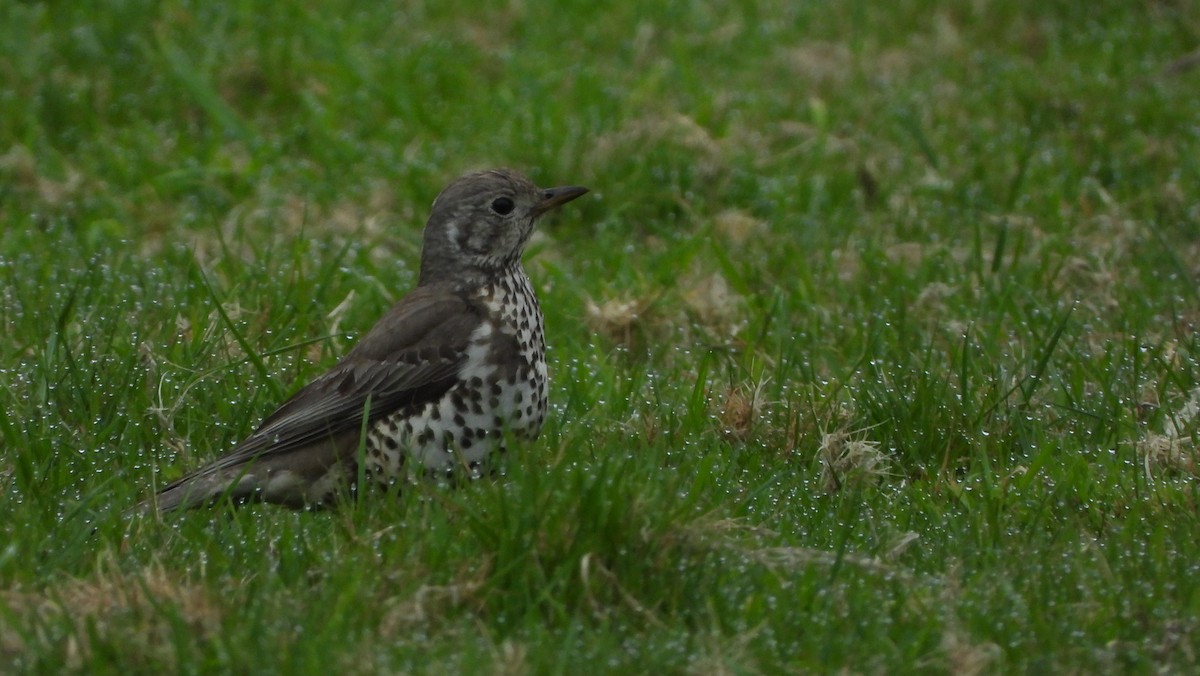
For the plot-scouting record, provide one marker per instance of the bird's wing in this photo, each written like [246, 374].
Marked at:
[410, 356]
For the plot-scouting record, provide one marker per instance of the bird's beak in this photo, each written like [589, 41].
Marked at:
[553, 197]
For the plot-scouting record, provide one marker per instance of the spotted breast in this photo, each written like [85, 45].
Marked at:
[501, 390]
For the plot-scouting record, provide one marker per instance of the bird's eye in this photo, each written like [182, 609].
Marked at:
[502, 206]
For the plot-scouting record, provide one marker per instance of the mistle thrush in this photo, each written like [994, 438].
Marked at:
[438, 384]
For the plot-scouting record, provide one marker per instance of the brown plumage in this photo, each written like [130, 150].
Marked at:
[442, 378]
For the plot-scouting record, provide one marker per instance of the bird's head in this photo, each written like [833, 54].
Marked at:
[481, 222]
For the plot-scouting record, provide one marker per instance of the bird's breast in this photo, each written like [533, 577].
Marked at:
[501, 389]
[516, 317]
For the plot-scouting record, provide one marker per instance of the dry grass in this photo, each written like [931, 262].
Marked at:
[741, 407]
[672, 130]
[428, 605]
[139, 611]
[850, 459]
[620, 320]
[959, 652]
[714, 304]
[738, 227]
[1174, 449]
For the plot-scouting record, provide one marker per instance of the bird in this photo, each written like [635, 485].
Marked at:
[434, 388]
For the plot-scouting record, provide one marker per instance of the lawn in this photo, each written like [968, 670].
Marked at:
[874, 347]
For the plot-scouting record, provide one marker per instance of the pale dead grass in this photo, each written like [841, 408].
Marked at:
[335, 316]
[738, 227]
[1161, 454]
[725, 655]
[620, 319]
[428, 605]
[932, 299]
[675, 130]
[965, 656]
[740, 409]
[820, 62]
[796, 558]
[1173, 450]
[826, 64]
[1083, 262]
[140, 611]
[851, 459]
[510, 658]
[714, 303]
[960, 653]
[593, 575]
[19, 169]
[745, 540]
[701, 307]
[278, 220]
[163, 374]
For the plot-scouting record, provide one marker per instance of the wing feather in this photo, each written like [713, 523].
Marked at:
[412, 355]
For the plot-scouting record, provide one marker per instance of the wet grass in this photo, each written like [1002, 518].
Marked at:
[874, 348]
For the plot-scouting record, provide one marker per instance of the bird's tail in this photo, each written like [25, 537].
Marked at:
[201, 489]
[302, 477]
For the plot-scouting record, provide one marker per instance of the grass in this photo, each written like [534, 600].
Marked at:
[874, 348]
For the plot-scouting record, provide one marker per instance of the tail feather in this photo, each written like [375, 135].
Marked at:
[205, 490]
[305, 477]
[202, 489]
